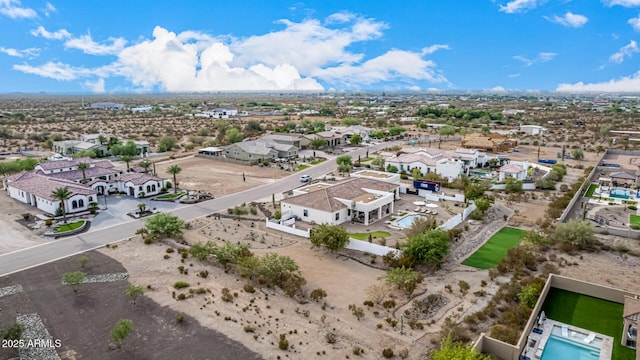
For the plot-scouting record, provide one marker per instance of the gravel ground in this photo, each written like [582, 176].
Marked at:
[34, 330]
[10, 290]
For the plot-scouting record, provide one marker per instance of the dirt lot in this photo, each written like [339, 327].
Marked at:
[218, 177]
[83, 322]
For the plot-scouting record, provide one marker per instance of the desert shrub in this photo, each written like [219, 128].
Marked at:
[387, 353]
[283, 343]
[331, 338]
[249, 288]
[180, 317]
[226, 295]
[180, 285]
[404, 353]
[249, 329]
[170, 250]
[389, 304]
[357, 350]
[182, 296]
[318, 294]
[203, 274]
[464, 287]
[148, 241]
[632, 207]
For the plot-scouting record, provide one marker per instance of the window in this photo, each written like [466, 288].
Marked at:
[305, 212]
[337, 216]
[80, 203]
[90, 198]
[139, 188]
[74, 204]
[348, 212]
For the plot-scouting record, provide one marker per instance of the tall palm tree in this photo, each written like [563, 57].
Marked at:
[174, 170]
[83, 166]
[146, 164]
[63, 194]
[127, 159]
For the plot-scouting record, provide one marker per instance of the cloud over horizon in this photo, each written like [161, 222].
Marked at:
[196, 61]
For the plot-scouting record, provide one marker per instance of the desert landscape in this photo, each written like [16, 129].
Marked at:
[345, 308]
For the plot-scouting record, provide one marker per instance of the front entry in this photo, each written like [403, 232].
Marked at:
[131, 191]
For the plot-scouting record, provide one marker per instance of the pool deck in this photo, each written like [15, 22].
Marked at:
[536, 342]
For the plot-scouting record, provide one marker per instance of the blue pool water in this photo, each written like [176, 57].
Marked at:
[406, 221]
[620, 193]
[559, 348]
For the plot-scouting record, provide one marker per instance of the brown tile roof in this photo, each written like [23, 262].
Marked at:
[42, 186]
[511, 169]
[138, 178]
[59, 164]
[326, 199]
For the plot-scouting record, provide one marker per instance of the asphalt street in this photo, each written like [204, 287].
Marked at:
[61, 248]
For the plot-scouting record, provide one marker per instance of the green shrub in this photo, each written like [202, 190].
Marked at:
[387, 353]
[182, 297]
[632, 207]
[283, 344]
[249, 288]
[148, 241]
[180, 285]
[180, 317]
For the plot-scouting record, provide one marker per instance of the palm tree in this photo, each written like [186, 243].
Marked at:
[102, 139]
[174, 170]
[146, 164]
[127, 159]
[63, 194]
[83, 166]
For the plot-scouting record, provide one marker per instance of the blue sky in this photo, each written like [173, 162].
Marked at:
[63, 46]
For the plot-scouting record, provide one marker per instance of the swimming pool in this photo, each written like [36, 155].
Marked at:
[561, 348]
[620, 193]
[406, 221]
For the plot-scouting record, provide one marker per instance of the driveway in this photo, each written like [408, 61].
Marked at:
[114, 210]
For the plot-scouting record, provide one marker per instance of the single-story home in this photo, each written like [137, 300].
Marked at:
[357, 200]
[533, 129]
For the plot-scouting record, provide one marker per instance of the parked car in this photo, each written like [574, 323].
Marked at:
[305, 178]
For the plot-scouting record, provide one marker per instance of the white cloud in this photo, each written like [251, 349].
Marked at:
[415, 88]
[88, 46]
[12, 9]
[295, 57]
[95, 86]
[498, 89]
[545, 56]
[624, 3]
[340, 17]
[518, 6]
[55, 35]
[635, 23]
[569, 20]
[542, 57]
[30, 52]
[514, 75]
[625, 51]
[393, 65]
[57, 71]
[49, 8]
[624, 84]
[433, 48]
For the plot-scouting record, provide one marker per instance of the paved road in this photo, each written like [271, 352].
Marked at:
[58, 249]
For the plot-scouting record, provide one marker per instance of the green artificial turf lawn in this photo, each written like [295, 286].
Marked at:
[70, 226]
[601, 316]
[591, 190]
[365, 236]
[494, 250]
[634, 219]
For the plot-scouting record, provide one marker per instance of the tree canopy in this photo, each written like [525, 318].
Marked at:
[429, 247]
[331, 237]
[574, 233]
[164, 225]
[453, 350]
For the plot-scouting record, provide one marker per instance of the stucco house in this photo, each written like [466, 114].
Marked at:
[298, 141]
[357, 200]
[333, 138]
[250, 152]
[101, 177]
[513, 170]
[533, 129]
[91, 142]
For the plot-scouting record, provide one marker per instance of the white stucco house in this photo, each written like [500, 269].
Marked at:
[101, 177]
[449, 164]
[516, 170]
[357, 200]
[533, 129]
